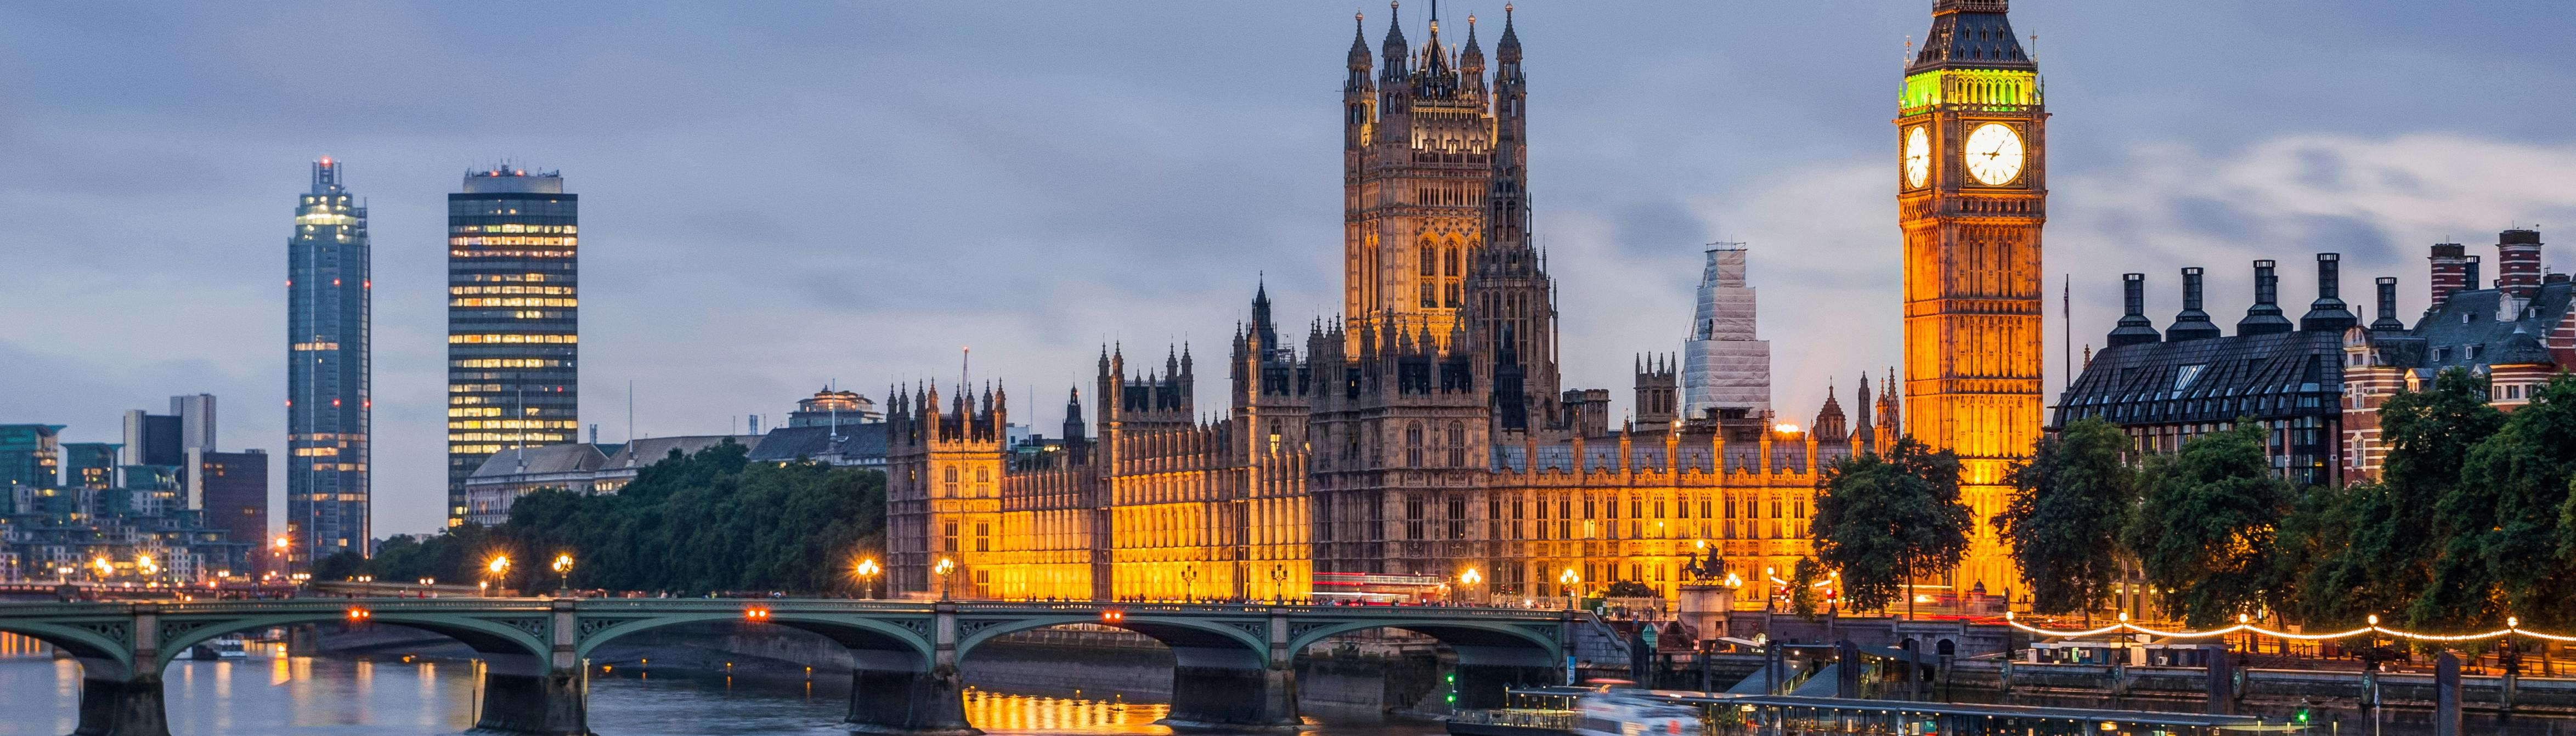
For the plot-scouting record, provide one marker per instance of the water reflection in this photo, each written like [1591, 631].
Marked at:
[309, 696]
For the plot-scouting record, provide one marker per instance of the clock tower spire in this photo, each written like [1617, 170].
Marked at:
[1972, 194]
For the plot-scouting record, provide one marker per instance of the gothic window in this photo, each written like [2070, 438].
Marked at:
[983, 537]
[983, 475]
[1457, 444]
[1413, 445]
[1429, 265]
[1449, 259]
[948, 540]
[1413, 516]
[1274, 436]
[1430, 296]
[1457, 517]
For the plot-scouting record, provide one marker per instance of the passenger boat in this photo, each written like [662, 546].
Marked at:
[222, 647]
[1604, 712]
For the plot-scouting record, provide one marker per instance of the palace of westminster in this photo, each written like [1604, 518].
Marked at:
[1426, 431]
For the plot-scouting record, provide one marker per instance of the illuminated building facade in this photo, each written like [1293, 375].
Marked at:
[1972, 193]
[1423, 433]
[328, 405]
[513, 328]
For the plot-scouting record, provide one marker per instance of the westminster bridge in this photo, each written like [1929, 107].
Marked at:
[1234, 664]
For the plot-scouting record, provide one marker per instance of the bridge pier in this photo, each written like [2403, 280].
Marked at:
[121, 706]
[1232, 697]
[525, 697]
[891, 693]
[528, 695]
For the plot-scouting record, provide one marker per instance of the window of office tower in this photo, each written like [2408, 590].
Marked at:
[513, 328]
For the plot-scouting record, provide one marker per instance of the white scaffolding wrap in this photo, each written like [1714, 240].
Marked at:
[1723, 366]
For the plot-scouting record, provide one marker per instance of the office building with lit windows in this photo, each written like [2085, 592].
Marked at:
[327, 372]
[513, 333]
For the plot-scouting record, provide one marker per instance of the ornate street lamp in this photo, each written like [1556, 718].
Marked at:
[1569, 580]
[563, 572]
[945, 566]
[867, 570]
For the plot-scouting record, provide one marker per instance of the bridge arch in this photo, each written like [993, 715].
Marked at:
[1493, 656]
[95, 645]
[494, 638]
[1481, 640]
[1193, 642]
[877, 644]
[1223, 673]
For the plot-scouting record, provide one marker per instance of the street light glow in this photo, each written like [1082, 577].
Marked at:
[563, 562]
[499, 564]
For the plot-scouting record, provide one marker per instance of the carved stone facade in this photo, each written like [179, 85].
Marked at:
[1972, 194]
[1424, 432]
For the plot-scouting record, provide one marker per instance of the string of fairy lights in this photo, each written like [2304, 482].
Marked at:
[2512, 627]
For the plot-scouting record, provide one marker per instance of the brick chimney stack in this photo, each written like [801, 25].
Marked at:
[2518, 263]
[2450, 272]
[2387, 307]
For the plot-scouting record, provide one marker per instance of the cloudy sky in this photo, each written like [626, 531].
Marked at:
[778, 195]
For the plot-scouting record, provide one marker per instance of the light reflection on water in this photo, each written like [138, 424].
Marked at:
[308, 696]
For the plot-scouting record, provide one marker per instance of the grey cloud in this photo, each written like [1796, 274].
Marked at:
[779, 194]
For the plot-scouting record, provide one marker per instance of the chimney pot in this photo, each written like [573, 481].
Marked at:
[2191, 323]
[2264, 318]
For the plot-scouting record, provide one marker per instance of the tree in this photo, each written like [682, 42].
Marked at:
[1883, 519]
[338, 566]
[708, 521]
[2064, 519]
[2204, 530]
[1802, 587]
[2504, 553]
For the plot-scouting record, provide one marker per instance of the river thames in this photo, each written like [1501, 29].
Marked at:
[330, 696]
[333, 696]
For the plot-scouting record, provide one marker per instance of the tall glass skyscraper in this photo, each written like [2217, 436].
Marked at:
[327, 318]
[513, 332]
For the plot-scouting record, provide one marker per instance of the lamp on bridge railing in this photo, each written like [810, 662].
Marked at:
[1569, 580]
[493, 569]
[1278, 577]
[867, 571]
[945, 566]
[1467, 583]
[563, 573]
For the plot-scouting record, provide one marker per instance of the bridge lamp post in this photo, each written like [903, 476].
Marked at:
[277, 549]
[1467, 583]
[563, 574]
[1278, 578]
[867, 572]
[1189, 583]
[1569, 580]
[946, 565]
[493, 570]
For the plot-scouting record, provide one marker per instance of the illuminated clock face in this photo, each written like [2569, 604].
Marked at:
[1918, 156]
[1994, 154]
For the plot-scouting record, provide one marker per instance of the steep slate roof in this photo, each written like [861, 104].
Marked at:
[2210, 380]
[1977, 36]
[786, 444]
[562, 458]
[650, 450]
[2465, 331]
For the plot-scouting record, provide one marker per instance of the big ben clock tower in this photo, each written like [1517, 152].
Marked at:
[1972, 192]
